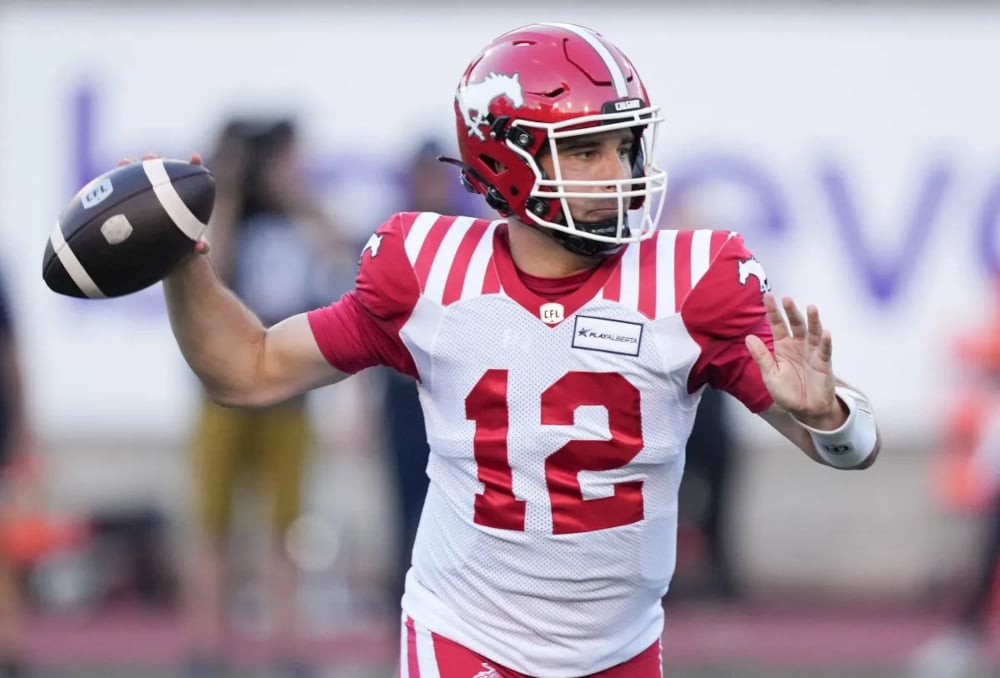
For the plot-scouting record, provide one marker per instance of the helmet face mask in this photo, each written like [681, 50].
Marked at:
[630, 193]
[547, 83]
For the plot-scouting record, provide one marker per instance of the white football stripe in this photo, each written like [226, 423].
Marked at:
[175, 208]
[617, 77]
[73, 266]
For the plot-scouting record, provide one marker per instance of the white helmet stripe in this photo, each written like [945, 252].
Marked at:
[617, 77]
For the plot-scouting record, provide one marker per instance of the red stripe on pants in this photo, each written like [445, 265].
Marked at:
[411, 649]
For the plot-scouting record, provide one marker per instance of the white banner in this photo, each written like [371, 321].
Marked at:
[857, 150]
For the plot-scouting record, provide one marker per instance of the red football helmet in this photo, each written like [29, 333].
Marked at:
[538, 84]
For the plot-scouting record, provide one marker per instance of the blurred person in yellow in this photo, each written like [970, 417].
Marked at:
[272, 244]
[967, 477]
[708, 570]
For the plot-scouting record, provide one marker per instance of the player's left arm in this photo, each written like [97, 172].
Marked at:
[826, 418]
[781, 371]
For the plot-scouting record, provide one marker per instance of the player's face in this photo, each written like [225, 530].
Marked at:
[605, 156]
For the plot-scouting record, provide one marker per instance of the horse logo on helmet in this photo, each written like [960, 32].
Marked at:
[475, 98]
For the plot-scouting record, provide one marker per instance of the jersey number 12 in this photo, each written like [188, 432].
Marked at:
[497, 506]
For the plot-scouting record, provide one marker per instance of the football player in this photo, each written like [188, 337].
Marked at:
[561, 351]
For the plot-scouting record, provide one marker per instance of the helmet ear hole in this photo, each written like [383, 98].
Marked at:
[495, 200]
[494, 166]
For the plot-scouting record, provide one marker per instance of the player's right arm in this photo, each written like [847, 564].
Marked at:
[237, 359]
[241, 363]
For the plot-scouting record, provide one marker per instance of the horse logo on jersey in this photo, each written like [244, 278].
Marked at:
[372, 245]
[477, 96]
[752, 267]
[487, 672]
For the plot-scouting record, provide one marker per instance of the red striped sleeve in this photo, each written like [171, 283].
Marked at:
[362, 328]
[719, 313]
[429, 249]
[460, 266]
[352, 339]
[719, 238]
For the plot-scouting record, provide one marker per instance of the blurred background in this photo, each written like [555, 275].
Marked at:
[855, 145]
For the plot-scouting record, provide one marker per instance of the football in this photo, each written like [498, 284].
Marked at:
[127, 229]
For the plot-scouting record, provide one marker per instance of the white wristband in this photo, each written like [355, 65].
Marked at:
[853, 441]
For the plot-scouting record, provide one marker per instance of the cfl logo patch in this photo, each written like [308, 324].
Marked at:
[97, 194]
[551, 313]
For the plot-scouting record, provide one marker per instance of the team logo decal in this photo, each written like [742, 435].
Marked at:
[475, 98]
[752, 267]
[487, 672]
[372, 245]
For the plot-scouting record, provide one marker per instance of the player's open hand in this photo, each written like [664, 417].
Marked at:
[799, 375]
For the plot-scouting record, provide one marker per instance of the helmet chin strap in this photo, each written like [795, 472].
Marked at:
[585, 246]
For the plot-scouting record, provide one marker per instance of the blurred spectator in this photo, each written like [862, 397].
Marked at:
[271, 244]
[430, 186]
[704, 503]
[969, 478]
[15, 448]
[705, 500]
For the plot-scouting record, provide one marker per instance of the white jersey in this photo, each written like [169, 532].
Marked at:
[557, 427]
